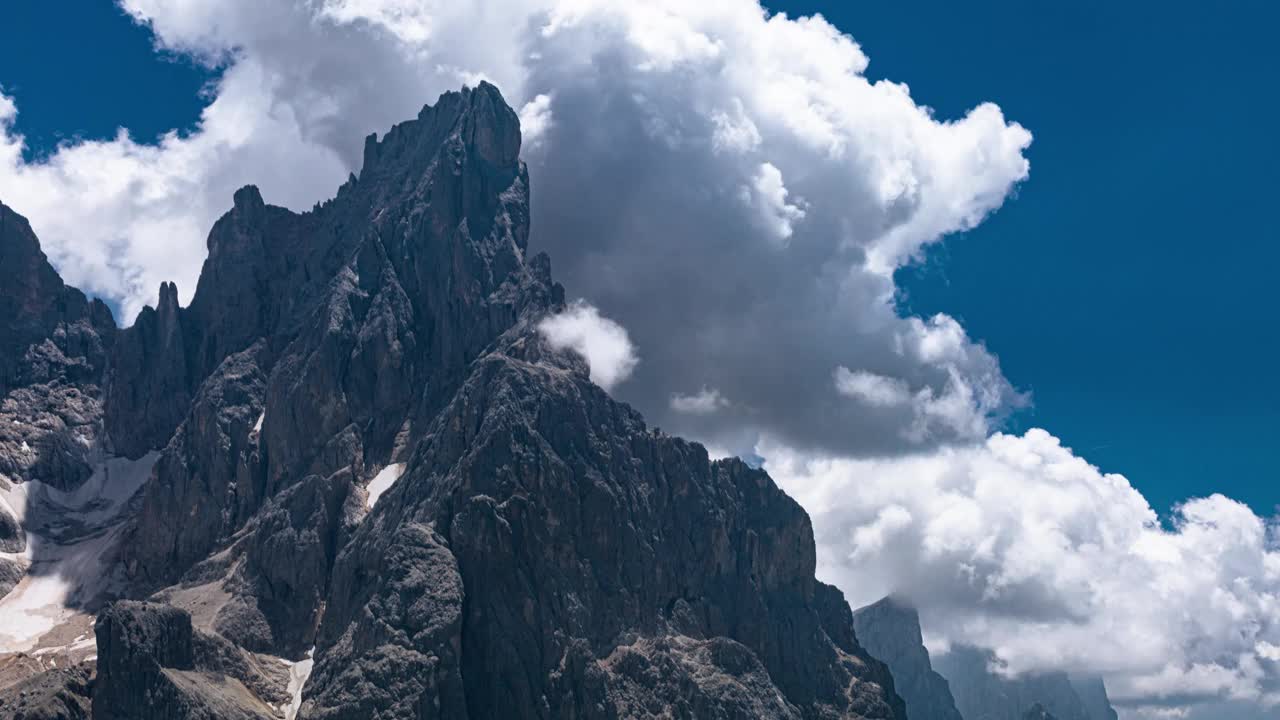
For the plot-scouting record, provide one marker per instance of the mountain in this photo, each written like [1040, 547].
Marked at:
[351, 480]
[960, 684]
[982, 694]
[890, 630]
[53, 355]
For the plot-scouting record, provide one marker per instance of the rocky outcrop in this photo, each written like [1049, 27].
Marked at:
[148, 670]
[56, 694]
[150, 391]
[54, 345]
[890, 631]
[575, 556]
[982, 694]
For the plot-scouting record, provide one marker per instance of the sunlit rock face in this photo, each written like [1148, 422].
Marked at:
[362, 453]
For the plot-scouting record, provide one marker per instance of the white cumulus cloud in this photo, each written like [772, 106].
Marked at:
[770, 198]
[1021, 546]
[600, 341]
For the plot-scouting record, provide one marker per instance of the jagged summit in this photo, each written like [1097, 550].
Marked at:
[54, 344]
[535, 550]
[247, 202]
[35, 301]
[491, 128]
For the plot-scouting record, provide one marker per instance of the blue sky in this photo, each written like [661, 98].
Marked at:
[97, 73]
[1128, 285]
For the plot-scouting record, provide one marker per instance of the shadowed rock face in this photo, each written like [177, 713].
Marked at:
[58, 694]
[53, 356]
[890, 631]
[544, 554]
[579, 564]
[153, 666]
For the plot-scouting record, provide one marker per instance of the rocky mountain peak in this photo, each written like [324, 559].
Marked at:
[367, 457]
[247, 204]
[478, 117]
[54, 344]
[35, 302]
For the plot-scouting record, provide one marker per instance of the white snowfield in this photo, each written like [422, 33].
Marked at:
[382, 482]
[68, 534]
[298, 674]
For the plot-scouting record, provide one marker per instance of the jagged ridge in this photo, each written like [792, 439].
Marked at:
[544, 554]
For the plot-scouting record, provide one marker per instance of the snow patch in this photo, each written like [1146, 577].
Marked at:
[257, 427]
[84, 643]
[40, 602]
[13, 499]
[298, 674]
[383, 481]
[68, 535]
[100, 498]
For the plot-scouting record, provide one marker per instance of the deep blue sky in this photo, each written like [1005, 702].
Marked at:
[83, 73]
[1129, 284]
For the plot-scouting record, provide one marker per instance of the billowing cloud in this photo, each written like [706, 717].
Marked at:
[728, 186]
[723, 182]
[767, 196]
[600, 341]
[731, 188]
[1021, 546]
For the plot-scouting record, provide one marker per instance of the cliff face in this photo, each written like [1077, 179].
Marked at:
[53, 361]
[890, 631]
[53, 356]
[539, 552]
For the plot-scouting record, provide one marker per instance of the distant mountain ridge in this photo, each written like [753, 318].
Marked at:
[959, 684]
[984, 695]
[890, 630]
